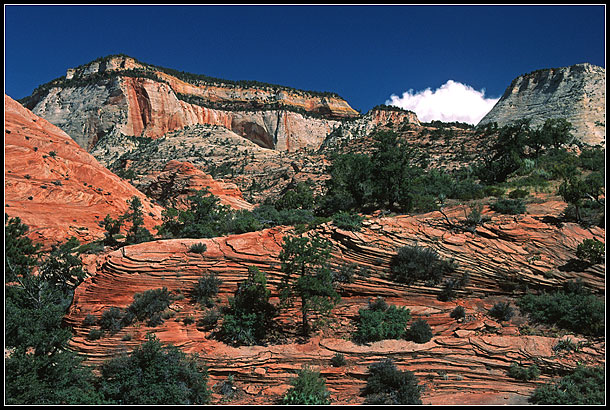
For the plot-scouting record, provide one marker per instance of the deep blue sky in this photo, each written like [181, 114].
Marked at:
[363, 53]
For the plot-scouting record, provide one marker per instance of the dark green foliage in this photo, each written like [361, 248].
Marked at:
[592, 159]
[19, 251]
[90, 320]
[307, 388]
[63, 268]
[148, 303]
[573, 308]
[386, 384]
[137, 233]
[198, 248]
[591, 250]
[113, 228]
[348, 221]
[345, 273]
[502, 311]
[450, 287]
[111, 320]
[380, 321]
[458, 313]
[581, 193]
[566, 344]
[585, 386]
[188, 320]
[298, 197]
[523, 373]
[154, 374]
[206, 289]
[338, 360]
[509, 206]
[415, 263]
[250, 314]
[95, 334]
[307, 276]
[419, 331]
[518, 194]
[209, 319]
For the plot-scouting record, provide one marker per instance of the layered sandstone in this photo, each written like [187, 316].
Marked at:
[576, 93]
[466, 362]
[57, 188]
[120, 94]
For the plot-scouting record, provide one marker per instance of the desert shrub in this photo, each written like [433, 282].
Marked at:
[156, 319]
[151, 302]
[509, 206]
[307, 388]
[518, 193]
[188, 320]
[206, 289]
[586, 385]
[572, 308]
[591, 250]
[198, 248]
[209, 319]
[111, 319]
[458, 313]
[386, 384]
[414, 263]
[90, 320]
[593, 159]
[419, 331]
[523, 373]
[338, 360]
[298, 197]
[154, 374]
[380, 321]
[95, 334]
[566, 344]
[502, 311]
[345, 273]
[492, 190]
[450, 286]
[348, 221]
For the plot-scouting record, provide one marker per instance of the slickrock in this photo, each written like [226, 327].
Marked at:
[57, 188]
[576, 93]
[119, 94]
[178, 180]
[466, 360]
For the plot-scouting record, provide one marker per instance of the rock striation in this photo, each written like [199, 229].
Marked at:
[57, 188]
[576, 93]
[466, 361]
[118, 94]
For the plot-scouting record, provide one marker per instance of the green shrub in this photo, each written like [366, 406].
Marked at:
[591, 250]
[206, 289]
[209, 319]
[380, 321]
[127, 337]
[345, 273]
[198, 248]
[188, 320]
[509, 206]
[146, 304]
[307, 388]
[523, 373]
[90, 320]
[573, 308]
[419, 331]
[348, 221]
[414, 263]
[338, 360]
[492, 190]
[111, 319]
[518, 193]
[388, 385]
[586, 385]
[95, 334]
[458, 313]
[566, 344]
[502, 311]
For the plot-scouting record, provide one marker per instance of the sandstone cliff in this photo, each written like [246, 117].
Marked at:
[57, 188]
[120, 94]
[576, 93]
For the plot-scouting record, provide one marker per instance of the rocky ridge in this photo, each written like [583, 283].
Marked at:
[57, 188]
[576, 93]
[466, 360]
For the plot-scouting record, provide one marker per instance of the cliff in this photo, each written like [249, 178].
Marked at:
[576, 93]
[57, 188]
[121, 94]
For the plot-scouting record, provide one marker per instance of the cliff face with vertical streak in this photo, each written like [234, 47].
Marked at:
[118, 94]
[576, 93]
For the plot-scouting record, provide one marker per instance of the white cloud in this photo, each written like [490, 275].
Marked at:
[452, 101]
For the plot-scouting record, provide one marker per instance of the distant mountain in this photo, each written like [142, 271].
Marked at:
[121, 95]
[576, 93]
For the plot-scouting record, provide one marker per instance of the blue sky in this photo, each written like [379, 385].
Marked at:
[363, 53]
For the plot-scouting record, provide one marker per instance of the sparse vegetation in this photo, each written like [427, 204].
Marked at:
[386, 384]
[585, 386]
[307, 388]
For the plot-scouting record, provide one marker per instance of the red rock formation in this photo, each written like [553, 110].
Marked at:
[57, 188]
[178, 180]
[466, 362]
